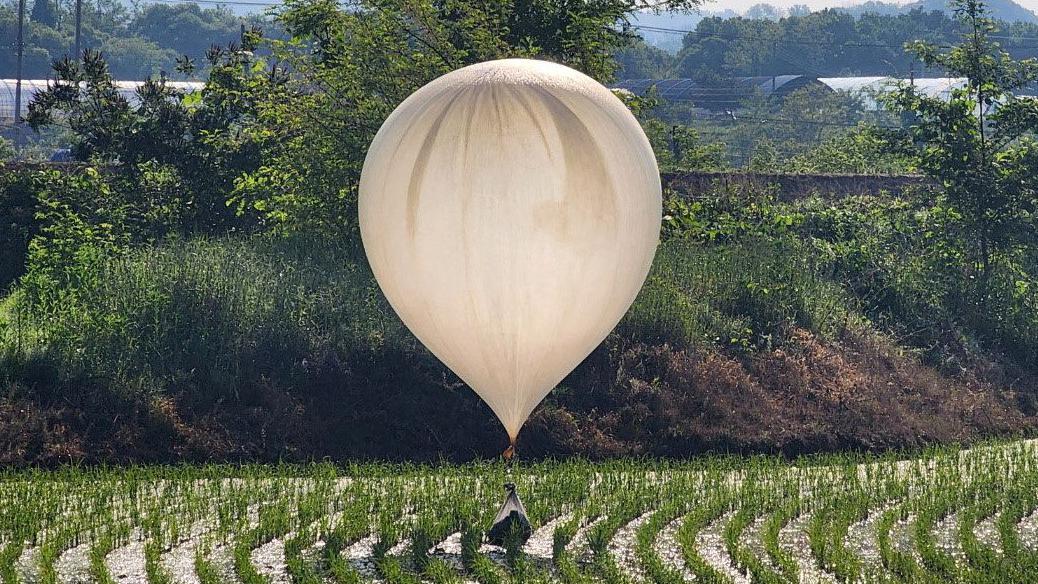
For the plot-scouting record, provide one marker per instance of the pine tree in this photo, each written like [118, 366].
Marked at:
[45, 13]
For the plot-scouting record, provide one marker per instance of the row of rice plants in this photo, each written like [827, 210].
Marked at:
[408, 511]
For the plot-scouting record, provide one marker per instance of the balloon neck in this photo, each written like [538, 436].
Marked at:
[509, 452]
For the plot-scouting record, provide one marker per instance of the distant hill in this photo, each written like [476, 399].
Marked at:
[1006, 10]
[670, 41]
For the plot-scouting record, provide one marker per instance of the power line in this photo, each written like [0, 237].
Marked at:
[804, 122]
[744, 36]
[217, 2]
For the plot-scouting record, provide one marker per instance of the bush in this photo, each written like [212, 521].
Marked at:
[220, 314]
[211, 314]
[744, 295]
[902, 264]
[17, 224]
[737, 270]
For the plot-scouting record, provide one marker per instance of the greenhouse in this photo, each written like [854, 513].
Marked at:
[128, 89]
[733, 94]
[869, 88]
[723, 96]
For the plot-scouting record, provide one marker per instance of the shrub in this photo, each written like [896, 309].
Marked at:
[17, 224]
[212, 314]
[742, 295]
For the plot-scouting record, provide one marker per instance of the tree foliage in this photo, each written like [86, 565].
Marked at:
[830, 42]
[194, 142]
[44, 12]
[353, 66]
[980, 145]
[278, 137]
[137, 42]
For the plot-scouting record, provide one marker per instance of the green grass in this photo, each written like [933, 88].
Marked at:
[222, 315]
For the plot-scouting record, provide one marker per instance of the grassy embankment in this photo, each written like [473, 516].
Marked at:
[763, 327]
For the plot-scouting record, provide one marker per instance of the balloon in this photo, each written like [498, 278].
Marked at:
[510, 211]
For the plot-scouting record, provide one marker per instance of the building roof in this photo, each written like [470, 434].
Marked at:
[719, 97]
[868, 88]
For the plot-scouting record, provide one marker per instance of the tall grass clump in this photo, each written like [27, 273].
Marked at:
[740, 295]
[211, 313]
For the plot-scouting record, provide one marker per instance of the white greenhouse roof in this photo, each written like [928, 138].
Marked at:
[869, 87]
[128, 89]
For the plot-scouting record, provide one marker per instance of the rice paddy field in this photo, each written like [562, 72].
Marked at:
[944, 515]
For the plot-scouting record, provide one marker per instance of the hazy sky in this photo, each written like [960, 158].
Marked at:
[741, 5]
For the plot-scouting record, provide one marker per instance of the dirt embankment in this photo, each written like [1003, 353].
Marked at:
[626, 399]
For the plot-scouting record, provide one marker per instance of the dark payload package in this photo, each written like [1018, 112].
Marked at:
[510, 520]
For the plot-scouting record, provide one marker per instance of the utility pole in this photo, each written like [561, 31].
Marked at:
[79, 26]
[18, 83]
[246, 67]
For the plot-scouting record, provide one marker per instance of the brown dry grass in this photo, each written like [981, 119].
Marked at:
[859, 392]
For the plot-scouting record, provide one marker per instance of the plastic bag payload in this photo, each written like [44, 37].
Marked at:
[510, 521]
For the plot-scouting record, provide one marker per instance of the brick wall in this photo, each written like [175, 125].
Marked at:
[795, 186]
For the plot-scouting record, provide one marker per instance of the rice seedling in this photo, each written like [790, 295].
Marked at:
[408, 523]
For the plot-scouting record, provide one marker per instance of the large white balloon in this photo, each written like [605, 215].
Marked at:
[510, 211]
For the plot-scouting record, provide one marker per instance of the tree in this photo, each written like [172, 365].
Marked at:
[136, 43]
[639, 60]
[192, 141]
[764, 130]
[188, 29]
[44, 12]
[763, 11]
[260, 147]
[864, 149]
[828, 42]
[979, 145]
[799, 10]
[352, 66]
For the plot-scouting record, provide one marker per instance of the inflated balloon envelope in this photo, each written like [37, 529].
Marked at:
[510, 211]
